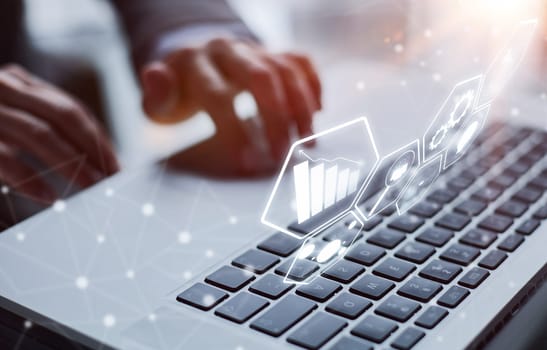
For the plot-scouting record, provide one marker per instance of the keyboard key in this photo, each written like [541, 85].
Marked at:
[473, 277]
[408, 338]
[441, 271]
[346, 237]
[365, 254]
[487, 194]
[478, 238]
[527, 195]
[394, 269]
[406, 223]
[420, 289]
[415, 252]
[256, 261]
[320, 289]
[347, 343]
[493, 259]
[496, 223]
[280, 244]
[372, 287]
[459, 183]
[528, 227]
[202, 296]
[541, 213]
[453, 297]
[271, 286]
[316, 331]
[470, 207]
[283, 315]
[241, 307]
[512, 209]
[229, 278]
[398, 308]
[518, 168]
[453, 221]
[374, 328]
[301, 269]
[502, 181]
[425, 209]
[539, 182]
[431, 317]
[435, 236]
[372, 223]
[460, 254]
[386, 238]
[512, 242]
[344, 271]
[348, 305]
[443, 196]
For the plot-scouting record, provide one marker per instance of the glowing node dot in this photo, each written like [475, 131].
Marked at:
[209, 253]
[152, 317]
[239, 347]
[515, 111]
[233, 220]
[439, 52]
[101, 238]
[422, 64]
[403, 82]
[109, 192]
[185, 237]
[440, 338]
[27, 324]
[208, 299]
[130, 274]
[148, 209]
[543, 96]
[476, 59]
[511, 284]
[82, 282]
[20, 236]
[109, 320]
[428, 33]
[463, 315]
[436, 77]
[398, 48]
[360, 85]
[4, 189]
[187, 275]
[59, 206]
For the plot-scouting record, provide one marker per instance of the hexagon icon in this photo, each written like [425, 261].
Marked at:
[420, 184]
[454, 111]
[394, 171]
[317, 185]
[463, 139]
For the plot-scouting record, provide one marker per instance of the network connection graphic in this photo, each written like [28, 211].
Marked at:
[336, 194]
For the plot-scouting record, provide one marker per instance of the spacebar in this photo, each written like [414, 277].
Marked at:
[283, 315]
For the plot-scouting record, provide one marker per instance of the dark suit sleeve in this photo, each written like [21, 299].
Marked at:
[146, 21]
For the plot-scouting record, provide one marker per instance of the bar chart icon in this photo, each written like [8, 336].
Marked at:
[319, 185]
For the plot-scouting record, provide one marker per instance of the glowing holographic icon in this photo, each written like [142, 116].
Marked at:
[324, 253]
[395, 170]
[322, 182]
[419, 185]
[453, 113]
[464, 138]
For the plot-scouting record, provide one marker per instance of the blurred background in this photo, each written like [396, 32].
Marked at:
[370, 53]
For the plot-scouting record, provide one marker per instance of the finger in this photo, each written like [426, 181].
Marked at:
[311, 73]
[160, 91]
[22, 178]
[299, 94]
[39, 139]
[63, 113]
[244, 68]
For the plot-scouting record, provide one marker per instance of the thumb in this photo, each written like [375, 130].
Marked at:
[159, 91]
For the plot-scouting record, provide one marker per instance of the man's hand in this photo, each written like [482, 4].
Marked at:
[285, 87]
[41, 120]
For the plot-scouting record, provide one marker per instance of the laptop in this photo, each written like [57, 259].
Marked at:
[153, 260]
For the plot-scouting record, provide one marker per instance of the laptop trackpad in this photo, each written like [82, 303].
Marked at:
[173, 328]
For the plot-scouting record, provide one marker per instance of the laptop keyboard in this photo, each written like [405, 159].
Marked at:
[441, 250]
